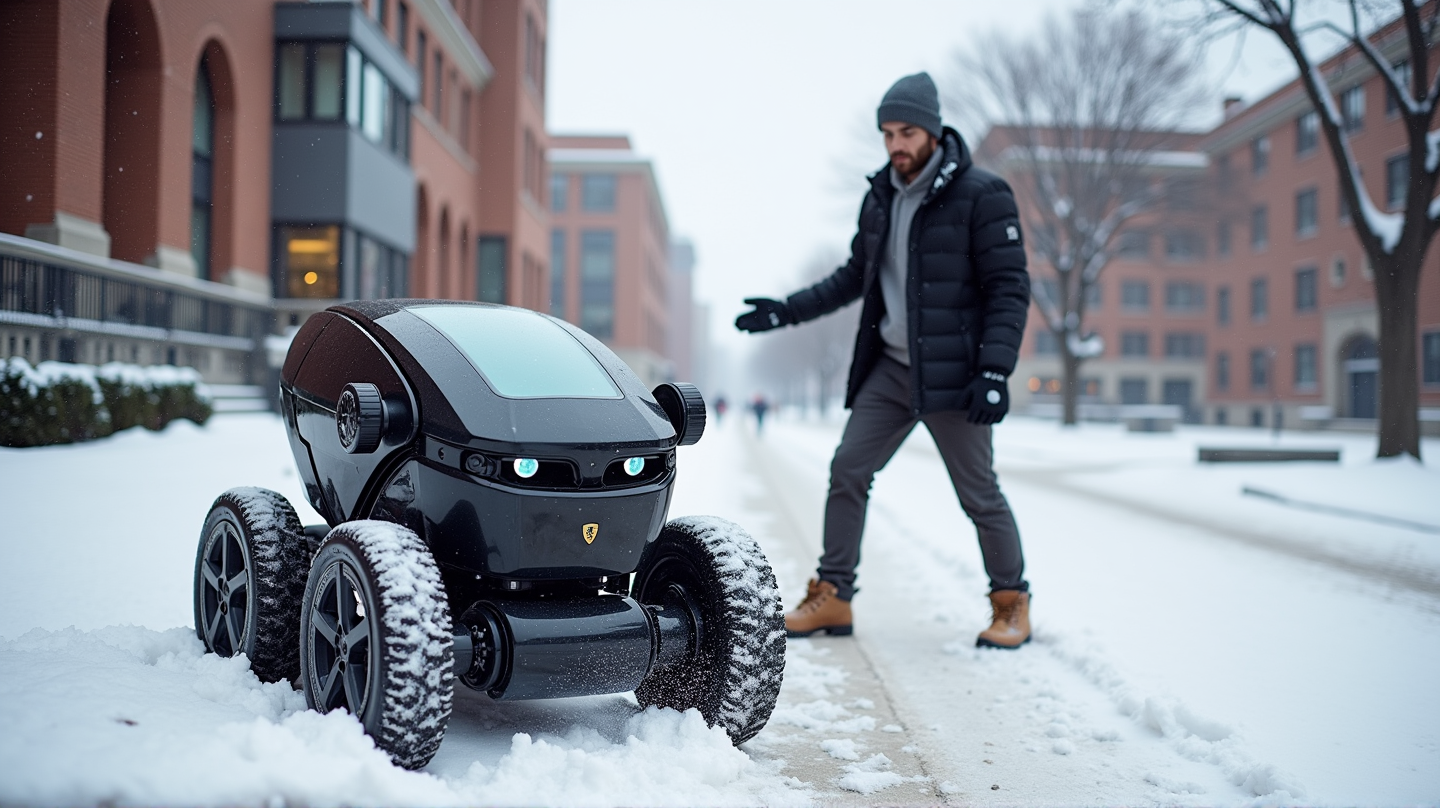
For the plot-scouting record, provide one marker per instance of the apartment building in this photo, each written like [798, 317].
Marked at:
[1245, 297]
[300, 152]
[610, 249]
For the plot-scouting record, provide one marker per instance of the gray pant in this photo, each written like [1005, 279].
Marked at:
[879, 422]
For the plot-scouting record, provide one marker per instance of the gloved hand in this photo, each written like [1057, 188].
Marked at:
[986, 398]
[766, 315]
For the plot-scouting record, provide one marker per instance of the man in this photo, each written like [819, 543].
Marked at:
[940, 268]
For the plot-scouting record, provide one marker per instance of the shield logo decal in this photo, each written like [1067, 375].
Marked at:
[590, 531]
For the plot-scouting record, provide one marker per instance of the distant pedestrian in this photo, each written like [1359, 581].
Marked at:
[759, 406]
[720, 406]
[940, 267]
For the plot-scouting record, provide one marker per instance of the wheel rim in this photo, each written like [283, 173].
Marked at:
[674, 580]
[339, 647]
[225, 581]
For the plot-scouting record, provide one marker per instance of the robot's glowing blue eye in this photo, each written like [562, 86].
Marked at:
[526, 466]
[634, 466]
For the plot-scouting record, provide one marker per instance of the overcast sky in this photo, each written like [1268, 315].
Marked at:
[756, 113]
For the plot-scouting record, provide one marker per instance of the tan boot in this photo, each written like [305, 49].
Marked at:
[821, 610]
[1010, 627]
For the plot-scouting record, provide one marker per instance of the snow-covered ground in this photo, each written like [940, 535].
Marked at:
[1194, 644]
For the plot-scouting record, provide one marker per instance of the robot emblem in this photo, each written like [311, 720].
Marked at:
[590, 531]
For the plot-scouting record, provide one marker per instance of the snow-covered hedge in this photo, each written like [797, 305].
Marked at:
[56, 402]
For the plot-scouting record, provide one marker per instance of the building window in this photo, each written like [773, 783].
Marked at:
[437, 85]
[309, 261]
[1430, 357]
[1259, 369]
[559, 192]
[1352, 108]
[557, 272]
[1184, 245]
[1402, 72]
[1397, 181]
[1181, 193]
[597, 282]
[1222, 238]
[1046, 344]
[1259, 299]
[1222, 305]
[420, 54]
[1184, 345]
[1307, 212]
[1223, 176]
[1260, 155]
[374, 106]
[402, 27]
[1222, 371]
[1184, 297]
[1134, 391]
[1307, 133]
[1134, 244]
[383, 272]
[1135, 344]
[309, 81]
[1259, 227]
[490, 258]
[1307, 293]
[1305, 367]
[1337, 272]
[534, 56]
[1135, 296]
[202, 171]
[597, 193]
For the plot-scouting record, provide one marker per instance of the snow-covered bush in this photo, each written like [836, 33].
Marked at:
[56, 402]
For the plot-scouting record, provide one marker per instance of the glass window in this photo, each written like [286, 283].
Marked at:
[1222, 371]
[1352, 108]
[1259, 299]
[1259, 369]
[292, 81]
[597, 193]
[1305, 366]
[491, 257]
[559, 191]
[551, 363]
[1222, 305]
[1222, 238]
[1184, 297]
[1259, 155]
[1430, 357]
[1134, 391]
[377, 100]
[1184, 345]
[1259, 227]
[1135, 295]
[1135, 343]
[1307, 132]
[1307, 292]
[402, 27]
[354, 65]
[310, 261]
[1307, 212]
[1397, 181]
[1184, 245]
[1402, 71]
[1134, 244]
[557, 272]
[597, 282]
[1337, 272]
[202, 147]
[328, 73]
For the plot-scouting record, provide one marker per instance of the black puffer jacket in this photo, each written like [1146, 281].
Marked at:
[966, 285]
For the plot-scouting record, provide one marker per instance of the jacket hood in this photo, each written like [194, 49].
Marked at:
[954, 162]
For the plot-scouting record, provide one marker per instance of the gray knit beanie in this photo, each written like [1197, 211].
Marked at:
[912, 99]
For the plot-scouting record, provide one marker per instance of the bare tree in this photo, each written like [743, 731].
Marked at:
[1080, 118]
[1395, 243]
[817, 354]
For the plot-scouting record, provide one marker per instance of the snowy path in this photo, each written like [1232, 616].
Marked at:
[1173, 663]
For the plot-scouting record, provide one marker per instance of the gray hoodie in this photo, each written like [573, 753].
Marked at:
[894, 262]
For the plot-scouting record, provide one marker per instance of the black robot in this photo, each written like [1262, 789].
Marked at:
[495, 484]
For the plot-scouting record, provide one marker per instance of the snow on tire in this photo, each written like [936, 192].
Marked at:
[375, 638]
[734, 679]
[249, 577]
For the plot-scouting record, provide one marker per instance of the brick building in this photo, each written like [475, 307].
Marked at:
[302, 151]
[1250, 297]
[610, 249]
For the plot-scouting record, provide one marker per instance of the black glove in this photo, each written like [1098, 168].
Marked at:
[986, 398]
[766, 315]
